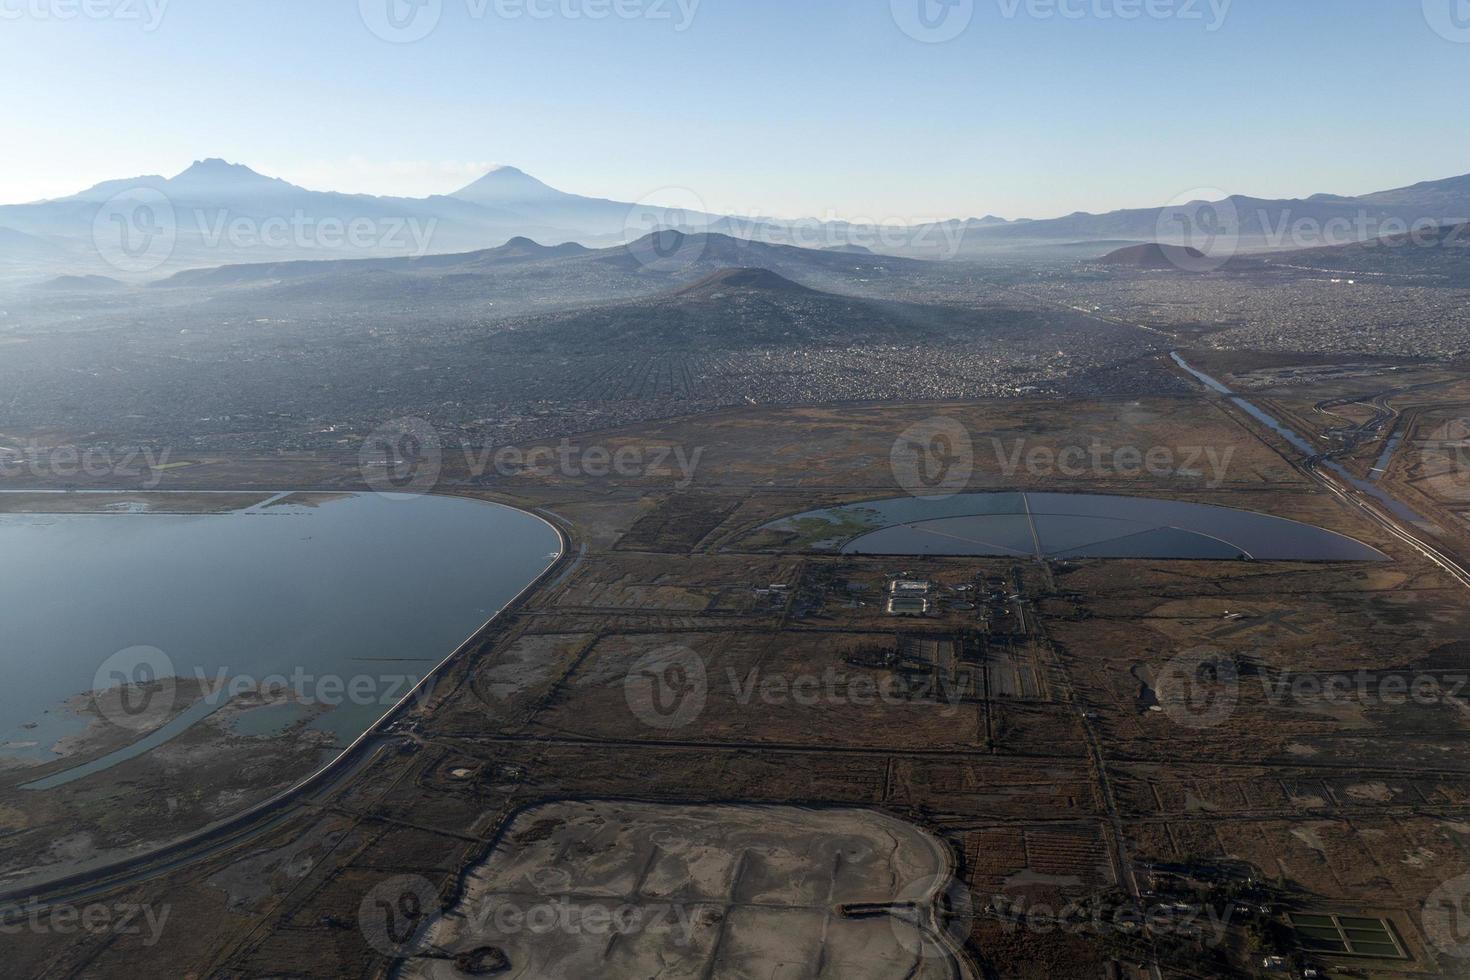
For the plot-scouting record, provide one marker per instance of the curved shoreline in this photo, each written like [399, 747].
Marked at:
[36, 893]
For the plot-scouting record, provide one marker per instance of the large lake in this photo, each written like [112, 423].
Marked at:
[374, 590]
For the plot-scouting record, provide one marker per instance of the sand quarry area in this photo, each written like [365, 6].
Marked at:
[631, 890]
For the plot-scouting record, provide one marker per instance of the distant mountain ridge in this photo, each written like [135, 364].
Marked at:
[1254, 223]
[219, 213]
[659, 252]
[203, 180]
[522, 276]
[1427, 256]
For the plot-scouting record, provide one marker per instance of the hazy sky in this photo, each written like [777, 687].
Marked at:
[780, 107]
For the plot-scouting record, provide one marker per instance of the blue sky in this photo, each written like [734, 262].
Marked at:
[780, 107]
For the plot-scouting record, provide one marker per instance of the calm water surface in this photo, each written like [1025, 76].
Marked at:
[1066, 526]
[356, 586]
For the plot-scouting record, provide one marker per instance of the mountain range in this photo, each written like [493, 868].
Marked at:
[736, 308]
[216, 213]
[519, 278]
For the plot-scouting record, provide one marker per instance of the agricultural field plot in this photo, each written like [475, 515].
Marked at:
[1035, 723]
[1014, 676]
[680, 524]
[761, 688]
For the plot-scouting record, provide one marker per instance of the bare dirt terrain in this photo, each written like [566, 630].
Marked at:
[649, 889]
[1130, 765]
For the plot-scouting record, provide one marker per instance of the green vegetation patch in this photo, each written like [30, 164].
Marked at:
[828, 530]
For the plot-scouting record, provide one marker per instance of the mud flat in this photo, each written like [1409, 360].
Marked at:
[633, 890]
[127, 502]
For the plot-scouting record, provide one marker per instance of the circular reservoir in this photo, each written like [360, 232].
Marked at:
[1065, 526]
